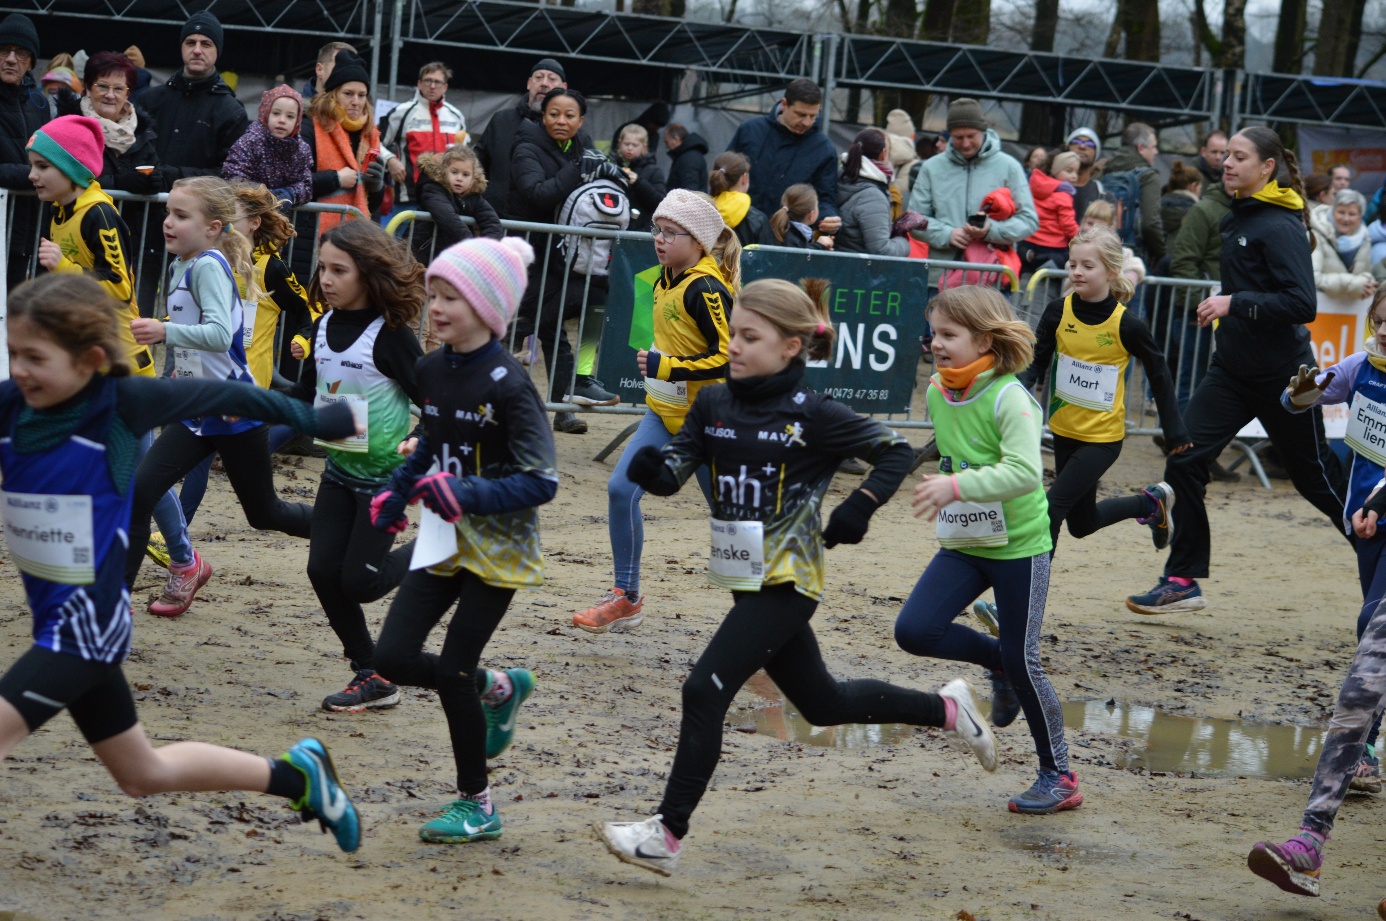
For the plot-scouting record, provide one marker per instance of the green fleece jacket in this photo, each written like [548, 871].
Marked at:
[1196, 252]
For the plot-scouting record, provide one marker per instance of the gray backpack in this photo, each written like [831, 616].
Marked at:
[601, 203]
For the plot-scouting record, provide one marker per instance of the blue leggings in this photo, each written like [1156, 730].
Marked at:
[623, 516]
[1371, 570]
[168, 516]
[953, 581]
[195, 483]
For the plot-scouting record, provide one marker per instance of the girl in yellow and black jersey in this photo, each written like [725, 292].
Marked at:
[773, 446]
[1084, 343]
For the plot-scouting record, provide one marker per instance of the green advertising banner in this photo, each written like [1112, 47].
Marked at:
[877, 308]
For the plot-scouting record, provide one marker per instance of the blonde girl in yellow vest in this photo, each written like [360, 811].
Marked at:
[1086, 340]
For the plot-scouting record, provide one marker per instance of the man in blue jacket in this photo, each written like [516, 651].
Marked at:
[785, 148]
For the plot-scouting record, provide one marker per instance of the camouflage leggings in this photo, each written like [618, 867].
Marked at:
[1358, 703]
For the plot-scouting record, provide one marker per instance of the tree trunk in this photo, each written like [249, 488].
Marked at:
[1140, 19]
[1203, 34]
[938, 20]
[1354, 32]
[674, 8]
[972, 25]
[1234, 35]
[1331, 51]
[1038, 123]
[1289, 37]
[901, 18]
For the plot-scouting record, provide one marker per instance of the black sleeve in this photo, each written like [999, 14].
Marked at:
[1140, 342]
[289, 295]
[649, 189]
[108, 239]
[438, 202]
[1289, 294]
[144, 403]
[306, 387]
[541, 191]
[1044, 344]
[685, 453]
[396, 354]
[488, 222]
[839, 432]
[708, 302]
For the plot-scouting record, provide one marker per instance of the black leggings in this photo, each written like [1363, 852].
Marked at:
[246, 459]
[770, 629]
[421, 602]
[1078, 466]
[350, 563]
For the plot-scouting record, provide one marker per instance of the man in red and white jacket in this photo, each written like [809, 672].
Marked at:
[427, 123]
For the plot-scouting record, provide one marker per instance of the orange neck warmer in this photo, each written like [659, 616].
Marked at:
[961, 378]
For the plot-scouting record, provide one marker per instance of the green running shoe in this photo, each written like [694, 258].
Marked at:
[325, 800]
[500, 718]
[463, 821]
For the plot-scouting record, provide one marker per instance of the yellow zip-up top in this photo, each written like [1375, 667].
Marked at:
[94, 239]
[690, 339]
[283, 294]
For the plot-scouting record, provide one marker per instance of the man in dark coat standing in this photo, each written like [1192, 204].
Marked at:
[786, 148]
[687, 159]
[23, 110]
[493, 150]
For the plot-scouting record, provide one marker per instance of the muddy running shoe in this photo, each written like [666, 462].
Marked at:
[1161, 522]
[367, 691]
[157, 549]
[969, 728]
[1293, 866]
[181, 588]
[569, 424]
[462, 821]
[325, 800]
[1052, 792]
[1366, 778]
[1005, 706]
[500, 718]
[853, 466]
[614, 613]
[588, 391]
[646, 844]
[985, 611]
[1168, 598]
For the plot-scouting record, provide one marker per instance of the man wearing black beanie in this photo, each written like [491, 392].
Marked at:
[493, 150]
[196, 119]
[20, 117]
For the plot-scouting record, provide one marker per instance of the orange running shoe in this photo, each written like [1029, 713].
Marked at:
[614, 613]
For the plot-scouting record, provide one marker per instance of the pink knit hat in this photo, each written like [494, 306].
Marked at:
[282, 91]
[75, 144]
[489, 274]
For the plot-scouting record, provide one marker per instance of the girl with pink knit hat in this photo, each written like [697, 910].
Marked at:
[271, 151]
[483, 465]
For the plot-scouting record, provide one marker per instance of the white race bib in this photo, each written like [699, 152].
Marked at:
[249, 310]
[187, 363]
[1366, 428]
[972, 524]
[738, 554]
[360, 411]
[436, 543]
[675, 392]
[51, 536]
[1086, 383]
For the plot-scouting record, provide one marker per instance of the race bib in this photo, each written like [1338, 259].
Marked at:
[1366, 428]
[1086, 383]
[51, 536]
[437, 540]
[249, 310]
[187, 363]
[738, 554]
[360, 411]
[972, 524]
[675, 392]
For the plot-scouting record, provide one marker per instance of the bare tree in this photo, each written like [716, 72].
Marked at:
[938, 20]
[972, 22]
[1340, 28]
[1039, 122]
[1289, 37]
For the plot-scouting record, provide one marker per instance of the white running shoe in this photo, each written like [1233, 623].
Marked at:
[642, 844]
[970, 729]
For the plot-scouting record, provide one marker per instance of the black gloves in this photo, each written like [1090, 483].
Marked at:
[1377, 503]
[645, 466]
[849, 521]
[595, 165]
[374, 176]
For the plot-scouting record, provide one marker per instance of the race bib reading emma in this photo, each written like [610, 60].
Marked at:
[1086, 383]
[972, 524]
[51, 536]
[1366, 428]
[738, 554]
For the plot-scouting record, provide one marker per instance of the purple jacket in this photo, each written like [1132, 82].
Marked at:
[284, 165]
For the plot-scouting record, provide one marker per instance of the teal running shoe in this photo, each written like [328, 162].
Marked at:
[325, 800]
[500, 718]
[464, 820]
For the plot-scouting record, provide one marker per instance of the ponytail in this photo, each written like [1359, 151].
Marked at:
[726, 252]
[1297, 183]
[798, 201]
[779, 223]
[727, 171]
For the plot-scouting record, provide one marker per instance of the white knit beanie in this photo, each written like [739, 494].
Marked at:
[693, 213]
[489, 274]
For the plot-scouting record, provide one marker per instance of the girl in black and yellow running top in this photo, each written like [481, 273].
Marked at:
[483, 465]
[773, 446]
[701, 268]
[1083, 344]
[364, 353]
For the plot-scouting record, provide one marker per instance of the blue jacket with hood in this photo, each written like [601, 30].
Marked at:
[950, 188]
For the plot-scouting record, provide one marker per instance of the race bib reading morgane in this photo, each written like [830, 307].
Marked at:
[972, 524]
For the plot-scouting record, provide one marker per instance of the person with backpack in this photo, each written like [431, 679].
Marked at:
[1133, 184]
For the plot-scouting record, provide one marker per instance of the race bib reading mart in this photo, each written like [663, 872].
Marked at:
[972, 524]
[360, 411]
[1366, 429]
[1086, 384]
[738, 554]
[51, 536]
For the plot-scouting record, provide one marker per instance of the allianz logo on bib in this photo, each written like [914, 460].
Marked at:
[12, 502]
[966, 518]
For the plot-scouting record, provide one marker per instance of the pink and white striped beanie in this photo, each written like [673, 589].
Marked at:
[490, 274]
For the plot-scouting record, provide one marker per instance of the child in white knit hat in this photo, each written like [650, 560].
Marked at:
[483, 466]
[701, 260]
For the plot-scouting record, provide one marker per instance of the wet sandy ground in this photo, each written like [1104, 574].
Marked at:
[880, 825]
